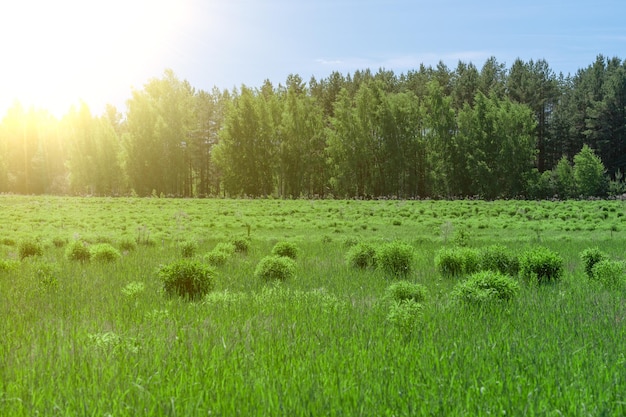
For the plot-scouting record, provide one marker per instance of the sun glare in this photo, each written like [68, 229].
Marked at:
[57, 53]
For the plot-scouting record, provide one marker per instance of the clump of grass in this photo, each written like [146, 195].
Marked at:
[454, 262]
[103, 252]
[28, 248]
[77, 250]
[405, 291]
[498, 258]
[590, 257]
[241, 244]
[404, 315]
[362, 255]
[186, 278]
[8, 265]
[7, 241]
[127, 244]
[59, 241]
[45, 274]
[288, 249]
[271, 268]
[611, 274]
[188, 249]
[541, 265]
[220, 254]
[484, 287]
[395, 258]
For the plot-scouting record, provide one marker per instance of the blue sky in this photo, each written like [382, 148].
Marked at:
[97, 50]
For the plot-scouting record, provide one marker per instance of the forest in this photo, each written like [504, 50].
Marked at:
[491, 132]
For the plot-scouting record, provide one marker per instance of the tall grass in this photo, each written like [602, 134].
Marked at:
[106, 340]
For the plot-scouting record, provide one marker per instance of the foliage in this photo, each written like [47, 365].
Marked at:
[288, 249]
[241, 244]
[8, 265]
[103, 252]
[404, 315]
[29, 247]
[361, 256]
[221, 253]
[540, 264]
[451, 262]
[395, 258]
[127, 244]
[486, 286]
[498, 258]
[77, 250]
[590, 257]
[188, 249]
[186, 278]
[589, 173]
[405, 290]
[611, 274]
[274, 267]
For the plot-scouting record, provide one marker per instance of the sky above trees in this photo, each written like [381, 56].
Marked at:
[57, 53]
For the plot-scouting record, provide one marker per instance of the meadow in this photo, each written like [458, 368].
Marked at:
[98, 338]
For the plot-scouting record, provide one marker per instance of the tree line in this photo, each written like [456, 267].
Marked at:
[433, 132]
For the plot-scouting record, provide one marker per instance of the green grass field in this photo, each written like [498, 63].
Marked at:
[102, 338]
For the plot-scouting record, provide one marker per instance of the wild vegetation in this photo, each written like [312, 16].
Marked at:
[371, 317]
[492, 132]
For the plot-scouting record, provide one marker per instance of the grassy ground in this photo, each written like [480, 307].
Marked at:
[102, 339]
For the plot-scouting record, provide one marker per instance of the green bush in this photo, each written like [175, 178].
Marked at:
[541, 265]
[77, 251]
[59, 241]
[241, 244]
[498, 258]
[103, 252]
[362, 255]
[127, 244]
[186, 278]
[188, 249]
[27, 248]
[405, 290]
[457, 261]
[275, 267]
[220, 254]
[288, 249]
[611, 274]
[7, 265]
[486, 286]
[404, 315]
[590, 257]
[45, 274]
[395, 258]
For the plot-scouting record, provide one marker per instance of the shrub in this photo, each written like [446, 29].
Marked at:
[103, 252]
[186, 278]
[497, 258]
[486, 286]
[7, 265]
[128, 244]
[457, 261]
[45, 274]
[610, 273]
[241, 244]
[188, 249]
[542, 265]
[27, 248]
[395, 258]
[403, 315]
[362, 255]
[590, 257]
[59, 241]
[405, 290]
[288, 249]
[77, 251]
[275, 268]
[8, 241]
[221, 253]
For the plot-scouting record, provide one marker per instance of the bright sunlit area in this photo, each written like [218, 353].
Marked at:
[57, 53]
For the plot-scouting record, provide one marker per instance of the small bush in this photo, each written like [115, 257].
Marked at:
[77, 251]
[275, 267]
[404, 315]
[103, 252]
[220, 254]
[27, 248]
[7, 265]
[188, 249]
[8, 241]
[541, 265]
[45, 274]
[497, 258]
[590, 257]
[59, 241]
[241, 244]
[405, 290]
[457, 261]
[611, 274]
[486, 286]
[288, 249]
[362, 255]
[395, 258]
[186, 278]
